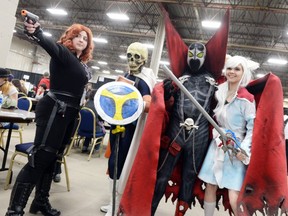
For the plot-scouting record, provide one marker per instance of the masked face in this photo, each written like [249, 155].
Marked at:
[196, 56]
[137, 55]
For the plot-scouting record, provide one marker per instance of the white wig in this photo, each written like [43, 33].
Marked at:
[232, 62]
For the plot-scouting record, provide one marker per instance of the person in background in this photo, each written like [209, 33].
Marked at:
[235, 111]
[20, 87]
[55, 113]
[9, 91]
[100, 123]
[41, 91]
[86, 93]
[45, 80]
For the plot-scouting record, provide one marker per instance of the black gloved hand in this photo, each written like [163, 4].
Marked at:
[168, 89]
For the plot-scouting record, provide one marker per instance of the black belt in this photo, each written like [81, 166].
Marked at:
[64, 93]
[60, 108]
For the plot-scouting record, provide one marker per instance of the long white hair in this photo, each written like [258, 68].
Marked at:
[232, 62]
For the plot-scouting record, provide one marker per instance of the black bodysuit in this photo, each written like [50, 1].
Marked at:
[67, 80]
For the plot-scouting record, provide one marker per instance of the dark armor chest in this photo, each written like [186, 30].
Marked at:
[201, 90]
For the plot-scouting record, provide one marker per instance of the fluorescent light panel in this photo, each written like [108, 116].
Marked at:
[96, 67]
[149, 46]
[47, 34]
[119, 71]
[260, 75]
[56, 11]
[123, 56]
[118, 16]
[164, 62]
[100, 40]
[106, 72]
[277, 61]
[211, 24]
[102, 62]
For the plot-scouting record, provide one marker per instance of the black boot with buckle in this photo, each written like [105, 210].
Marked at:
[41, 202]
[19, 197]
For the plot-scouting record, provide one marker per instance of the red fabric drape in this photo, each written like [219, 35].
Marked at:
[266, 177]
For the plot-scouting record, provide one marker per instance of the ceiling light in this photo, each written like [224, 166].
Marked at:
[102, 62]
[123, 56]
[159, 80]
[164, 62]
[118, 16]
[211, 24]
[14, 31]
[56, 11]
[100, 40]
[149, 46]
[95, 67]
[277, 61]
[119, 71]
[106, 72]
[260, 75]
[47, 34]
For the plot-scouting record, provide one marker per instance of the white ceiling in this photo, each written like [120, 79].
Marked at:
[258, 29]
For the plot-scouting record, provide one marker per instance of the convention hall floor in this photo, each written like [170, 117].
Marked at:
[89, 185]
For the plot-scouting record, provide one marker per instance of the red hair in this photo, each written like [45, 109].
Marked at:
[72, 32]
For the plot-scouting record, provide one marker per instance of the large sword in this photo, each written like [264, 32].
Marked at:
[224, 137]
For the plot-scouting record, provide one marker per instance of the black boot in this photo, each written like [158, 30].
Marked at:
[19, 196]
[41, 202]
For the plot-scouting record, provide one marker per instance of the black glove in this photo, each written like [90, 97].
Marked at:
[168, 89]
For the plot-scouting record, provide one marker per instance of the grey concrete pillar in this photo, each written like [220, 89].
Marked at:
[7, 10]
[158, 46]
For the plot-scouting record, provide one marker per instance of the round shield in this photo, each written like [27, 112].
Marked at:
[118, 103]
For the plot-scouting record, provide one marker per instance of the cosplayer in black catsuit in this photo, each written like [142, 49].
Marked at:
[55, 115]
[189, 145]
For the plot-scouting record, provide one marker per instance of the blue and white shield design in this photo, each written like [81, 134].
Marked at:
[118, 103]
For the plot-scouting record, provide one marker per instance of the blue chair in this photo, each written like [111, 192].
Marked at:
[21, 149]
[24, 103]
[87, 129]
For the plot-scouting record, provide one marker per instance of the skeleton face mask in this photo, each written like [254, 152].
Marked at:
[196, 56]
[137, 55]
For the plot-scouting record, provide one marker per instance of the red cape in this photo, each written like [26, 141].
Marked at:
[266, 177]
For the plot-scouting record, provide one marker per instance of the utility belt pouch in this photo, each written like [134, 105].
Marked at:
[31, 154]
[61, 107]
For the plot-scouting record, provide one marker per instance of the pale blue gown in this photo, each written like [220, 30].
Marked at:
[217, 169]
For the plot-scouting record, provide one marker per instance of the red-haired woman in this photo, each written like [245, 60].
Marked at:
[56, 113]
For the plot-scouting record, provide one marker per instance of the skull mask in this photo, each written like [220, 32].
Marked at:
[137, 55]
[196, 56]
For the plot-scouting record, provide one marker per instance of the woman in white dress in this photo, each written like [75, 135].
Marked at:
[235, 111]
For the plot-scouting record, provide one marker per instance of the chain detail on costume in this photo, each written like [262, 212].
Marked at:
[211, 88]
[160, 167]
